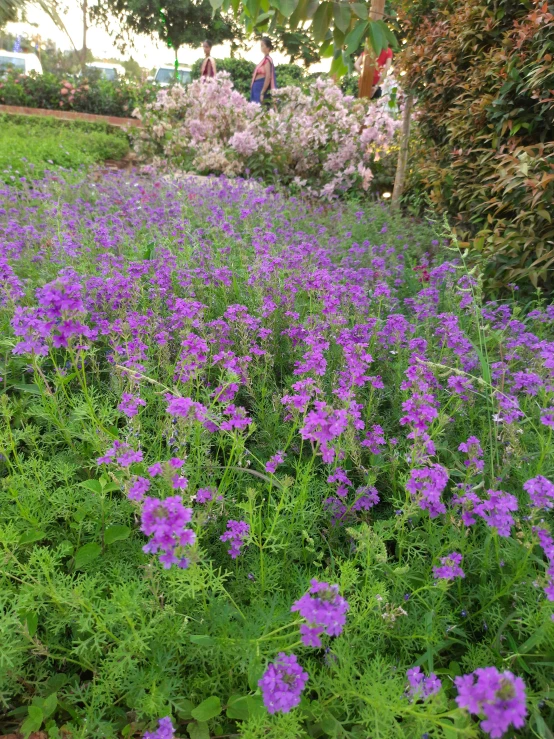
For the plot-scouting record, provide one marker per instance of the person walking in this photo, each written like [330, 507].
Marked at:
[263, 79]
[208, 68]
[382, 66]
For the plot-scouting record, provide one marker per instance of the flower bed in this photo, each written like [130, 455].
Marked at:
[267, 470]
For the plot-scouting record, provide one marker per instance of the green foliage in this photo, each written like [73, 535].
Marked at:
[240, 71]
[31, 145]
[84, 95]
[483, 76]
[175, 22]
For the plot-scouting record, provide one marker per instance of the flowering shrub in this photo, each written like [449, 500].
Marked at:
[321, 142]
[267, 470]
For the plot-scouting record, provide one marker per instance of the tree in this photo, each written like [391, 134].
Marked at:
[12, 9]
[175, 22]
[297, 45]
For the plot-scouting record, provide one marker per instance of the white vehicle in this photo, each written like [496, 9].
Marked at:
[108, 70]
[166, 75]
[22, 63]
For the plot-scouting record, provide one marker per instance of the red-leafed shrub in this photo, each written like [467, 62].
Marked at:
[484, 76]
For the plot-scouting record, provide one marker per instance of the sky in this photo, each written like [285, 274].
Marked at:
[147, 52]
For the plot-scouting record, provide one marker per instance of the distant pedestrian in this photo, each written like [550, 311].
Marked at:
[208, 68]
[382, 66]
[263, 79]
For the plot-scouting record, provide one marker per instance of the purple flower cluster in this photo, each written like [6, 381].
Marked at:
[274, 461]
[547, 543]
[322, 426]
[426, 486]
[498, 696]
[130, 405]
[472, 447]
[121, 453]
[282, 684]
[450, 567]
[541, 492]
[496, 511]
[165, 730]
[420, 686]
[236, 534]
[166, 522]
[324, 610]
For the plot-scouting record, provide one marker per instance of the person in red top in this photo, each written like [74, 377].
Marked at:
[382, 66]
[208, 65]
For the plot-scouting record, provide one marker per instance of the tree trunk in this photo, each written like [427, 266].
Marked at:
[84, 51]
[176, 63]
[403, 153]
[365, 85]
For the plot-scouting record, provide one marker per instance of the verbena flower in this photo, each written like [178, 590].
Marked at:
[165, 521]
[130, 405]
[165, 730]
[274, 461]
[426, 486]
[139, 488]
[282, 684]
[498, 696]
[450, 567]
[541, 491]
[236, 534]
[421, 686]
[121, 453]
[324, 610]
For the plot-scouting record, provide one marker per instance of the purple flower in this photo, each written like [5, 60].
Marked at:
[541, 492]
[236, 534]
[185, 408]
[155, 469]
[274, 461]
[497, 511]
[130, 404]
[547, 417]
[165, 730]
[498, 696]
[139, 488]
[282, 683]
[375, 439]
[324, 610]
[472, 447]
[421, 686]
[427, 486]
[450, 567]
[204, 495]
[122, 453]
[460, 385]
[166, 522]
[322, 425]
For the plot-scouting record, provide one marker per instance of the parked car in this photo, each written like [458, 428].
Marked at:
[23, 63]
[108, 70]
[166, 75]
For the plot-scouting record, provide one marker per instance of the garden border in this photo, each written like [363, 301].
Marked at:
[70, 115]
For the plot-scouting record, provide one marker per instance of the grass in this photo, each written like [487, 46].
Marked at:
[31, 145]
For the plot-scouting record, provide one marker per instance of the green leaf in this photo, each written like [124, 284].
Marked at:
[199, 731]
[183, 707]
[116, 533]
[287, 7]
[355, 37]
[216, 4]
[93, 485]
[256, 708]
[264, 17]
[30, 536]
[341, 12]
[360, 10]
[388, 34]
[322, 21]
[33, 722]
[49, 705]
[31, 619]
[255, 672]
[110, 487]
[87, 554]
[376, 37]
[208, 709]
[31, 388]
[311, 9]
[326, 50]
[203, 639]
[338, 67]
[237, 707]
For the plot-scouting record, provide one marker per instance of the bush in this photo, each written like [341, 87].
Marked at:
[484, 79]
[82, 95]
[321, 142]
